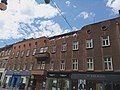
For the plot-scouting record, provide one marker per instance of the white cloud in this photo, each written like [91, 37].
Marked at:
[68, 3]
[23, 11]
[85, 15]
[114, 5]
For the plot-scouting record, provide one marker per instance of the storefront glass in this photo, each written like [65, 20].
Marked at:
[57, 84]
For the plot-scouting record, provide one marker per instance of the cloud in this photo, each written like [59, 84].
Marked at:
[114, 5]
[85, 15]
[20, 13]
[68, 3]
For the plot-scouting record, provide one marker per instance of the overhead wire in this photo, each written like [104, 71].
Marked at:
[59, 10]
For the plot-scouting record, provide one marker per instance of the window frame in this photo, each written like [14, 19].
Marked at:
[105, 41]
[62, 65]
[89, 43]
[90, 64]
[74, 64]
[75, 45]
[64, 47]
[108, 63]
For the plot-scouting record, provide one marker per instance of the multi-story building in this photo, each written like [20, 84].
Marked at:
[87, 59]
[4, 56]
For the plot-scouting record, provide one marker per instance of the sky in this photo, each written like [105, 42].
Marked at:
[26, 19]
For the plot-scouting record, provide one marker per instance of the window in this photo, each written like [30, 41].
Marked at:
[105, 41]
[28, 53]
[108, 63]
[42, 50]
[75, 64]
[89, 43]
[51, 65]
[18, 67]
[22, 53]
[13, 67]
[43, 65]
[90, 65]
[25, 66]
[34, 51]
[53, 49]
[38, 64]
[17, 54]
[64, 47]
[75, 45]
[31, 66]
[62, 65]
[9, 52]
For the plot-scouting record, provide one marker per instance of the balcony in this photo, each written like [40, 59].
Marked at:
[42, 56]
[38, 72]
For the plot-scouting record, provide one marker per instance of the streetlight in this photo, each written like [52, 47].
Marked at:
[3, 5]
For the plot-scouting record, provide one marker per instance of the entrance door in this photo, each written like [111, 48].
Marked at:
[15, 81]
[91, 85]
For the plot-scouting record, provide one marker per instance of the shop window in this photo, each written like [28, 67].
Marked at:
[108, 65]
[90, 64]
[74, 64]
[62, 65]
[89, 43]
[64, 47]
[75, 45]
[105, 41]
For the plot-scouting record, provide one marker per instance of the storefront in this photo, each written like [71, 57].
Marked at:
[17, 78]
[95, 81]
[58, 81]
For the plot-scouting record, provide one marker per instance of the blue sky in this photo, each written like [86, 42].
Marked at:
[33, 18]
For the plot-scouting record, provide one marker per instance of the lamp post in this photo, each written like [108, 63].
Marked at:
[3, 5]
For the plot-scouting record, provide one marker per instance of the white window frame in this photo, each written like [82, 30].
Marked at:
[43, 65]
[38, 64]
[25, 66]
[90, 64]
[64, 47]
[28, 53]
[53, 49]
[17, 54]
[62, 65]
[75, 45]
[51, 65]
[31, 66]
[108, 62]
[105, 41]
[43, 49]
[22, 53]
[74, 64]
[34, 51]
[89, 43]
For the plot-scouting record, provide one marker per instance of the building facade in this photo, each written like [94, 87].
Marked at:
[4, 57]
[87, 59]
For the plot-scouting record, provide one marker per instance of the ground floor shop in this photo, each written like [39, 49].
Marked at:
[18, 79]
[98, 81]
[58, 81]
[2, 75]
